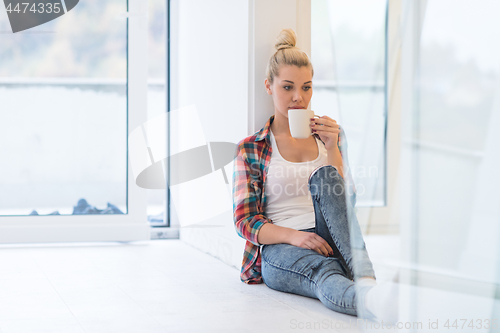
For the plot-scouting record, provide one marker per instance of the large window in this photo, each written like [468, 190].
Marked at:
[457, 92]
[71, 92]
[450, 167]
[348, 50]
[63, 118]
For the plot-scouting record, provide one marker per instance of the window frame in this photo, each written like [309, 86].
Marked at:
[132, 226]
[385, 219]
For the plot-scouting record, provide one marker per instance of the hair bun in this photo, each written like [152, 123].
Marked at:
[286, 39]
[287, 54]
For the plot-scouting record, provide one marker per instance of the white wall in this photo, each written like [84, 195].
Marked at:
[267, 19]
[209, 70]
[220, 56]
[209, 59]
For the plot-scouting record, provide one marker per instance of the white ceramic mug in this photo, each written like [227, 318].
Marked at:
[299, 121]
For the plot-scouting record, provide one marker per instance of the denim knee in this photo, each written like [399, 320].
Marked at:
[326, 178]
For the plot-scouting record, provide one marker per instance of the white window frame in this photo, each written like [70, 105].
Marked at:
[267, 18]
[385, 219]
[85, 228]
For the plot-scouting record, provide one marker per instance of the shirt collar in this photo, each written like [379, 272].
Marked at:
[264, 132]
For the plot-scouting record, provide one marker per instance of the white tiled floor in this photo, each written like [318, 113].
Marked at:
[156, 286]
[148, 287]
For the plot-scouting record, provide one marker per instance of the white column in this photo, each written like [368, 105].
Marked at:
[266, 20]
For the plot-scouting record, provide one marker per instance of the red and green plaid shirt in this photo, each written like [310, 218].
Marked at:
[251, 163]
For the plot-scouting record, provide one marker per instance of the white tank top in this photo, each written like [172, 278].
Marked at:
[289, 203]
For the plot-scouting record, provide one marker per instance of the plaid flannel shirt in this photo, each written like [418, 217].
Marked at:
[251, 163]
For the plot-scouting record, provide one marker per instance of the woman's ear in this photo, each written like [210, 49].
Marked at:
[268, 87]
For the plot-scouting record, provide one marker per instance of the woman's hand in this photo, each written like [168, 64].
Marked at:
[327, 129]
[311, 240]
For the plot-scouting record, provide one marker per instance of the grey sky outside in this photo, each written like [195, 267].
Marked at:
[26, 14]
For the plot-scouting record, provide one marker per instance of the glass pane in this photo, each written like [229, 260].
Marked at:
[63, 121]
[348, 53]
[459, 86]
[455, 162]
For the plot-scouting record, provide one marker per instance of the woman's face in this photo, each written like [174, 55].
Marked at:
[292, 89]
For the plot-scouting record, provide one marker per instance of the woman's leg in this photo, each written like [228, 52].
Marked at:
[336, 222]
[301, 271]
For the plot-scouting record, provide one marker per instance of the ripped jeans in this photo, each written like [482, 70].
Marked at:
[305, 272]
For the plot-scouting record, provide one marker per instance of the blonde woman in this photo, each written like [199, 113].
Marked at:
[293, 201]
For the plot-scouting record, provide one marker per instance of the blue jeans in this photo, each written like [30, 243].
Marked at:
[305, 272]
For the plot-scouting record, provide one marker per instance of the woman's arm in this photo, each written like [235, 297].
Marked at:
[335, 159]
[251, 223]
[247, 212]
[328, 131]
[336, 146]
[274, 234]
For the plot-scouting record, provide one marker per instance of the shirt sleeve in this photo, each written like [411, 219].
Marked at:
[247, 213]
[351, 189]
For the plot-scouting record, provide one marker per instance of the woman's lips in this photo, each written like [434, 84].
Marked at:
[296, 107]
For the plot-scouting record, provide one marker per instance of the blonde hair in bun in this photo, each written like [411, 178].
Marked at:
[286, 54]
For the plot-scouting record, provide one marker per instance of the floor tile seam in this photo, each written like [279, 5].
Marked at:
[61, 297]
[138, 304]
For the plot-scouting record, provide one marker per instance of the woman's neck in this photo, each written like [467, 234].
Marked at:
[280, 125]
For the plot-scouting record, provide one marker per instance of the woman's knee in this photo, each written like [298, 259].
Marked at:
[287, 280]
[327, 181]
[279, 253]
